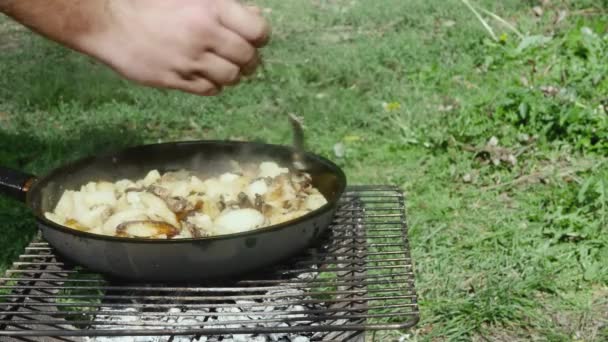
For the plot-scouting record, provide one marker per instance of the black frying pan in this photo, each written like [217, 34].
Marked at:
[179, 260]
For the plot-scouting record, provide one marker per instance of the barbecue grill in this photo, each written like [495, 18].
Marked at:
[358, 279]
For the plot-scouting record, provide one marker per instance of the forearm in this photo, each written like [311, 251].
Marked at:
[197, 46]
[68, 22]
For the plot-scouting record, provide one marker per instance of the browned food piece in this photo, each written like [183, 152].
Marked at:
[146, 228]
[221, 205]
[259, 203]
[178, 204]
[159, 191]
[191, 209]
[244, 202]
[302, 182]
[194, 231]
[268, 211]
[281, 190]
[211, 208]
[294, 204]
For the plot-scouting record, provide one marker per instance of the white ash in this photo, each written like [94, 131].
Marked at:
[250, 311]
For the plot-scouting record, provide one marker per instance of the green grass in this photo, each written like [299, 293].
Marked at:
[504, 250]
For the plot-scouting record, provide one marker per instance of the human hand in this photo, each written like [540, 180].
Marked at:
[197, 46]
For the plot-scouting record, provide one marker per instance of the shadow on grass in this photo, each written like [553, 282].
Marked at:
[27, 151]
[42, 75]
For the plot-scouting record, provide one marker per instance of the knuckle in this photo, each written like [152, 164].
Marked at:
[211, 91]
[234, 76]
[207, 28]
[207, 88]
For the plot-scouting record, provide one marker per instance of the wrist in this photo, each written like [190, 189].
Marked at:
[76, 24]
[99, 40]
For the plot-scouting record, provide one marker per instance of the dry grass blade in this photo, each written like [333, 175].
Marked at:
[504, 22]
[481, 19]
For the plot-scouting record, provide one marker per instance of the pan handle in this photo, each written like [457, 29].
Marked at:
[15, 184]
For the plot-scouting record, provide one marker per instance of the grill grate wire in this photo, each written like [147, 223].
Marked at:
[360, 278]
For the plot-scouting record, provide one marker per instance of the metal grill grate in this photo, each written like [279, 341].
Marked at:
[359, 278]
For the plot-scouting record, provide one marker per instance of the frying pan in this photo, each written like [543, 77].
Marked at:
[177, 260]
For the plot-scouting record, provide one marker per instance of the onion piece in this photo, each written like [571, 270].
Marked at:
[271, 169]
[258, 187]
[109, 227]
[152, 177]
[99, 197]
[65, 205]
[314, 201]
[156, 206]
[197, 185]
[239, 220]
[55, 218]
[122, 185]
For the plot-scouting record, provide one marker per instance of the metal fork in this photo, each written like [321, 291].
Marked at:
[298, 143]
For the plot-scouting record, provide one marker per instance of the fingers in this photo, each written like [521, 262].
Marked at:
[197, 86]
[208, 76]
[230, 52]
[246, 22]
[234, 48]
[218, 70]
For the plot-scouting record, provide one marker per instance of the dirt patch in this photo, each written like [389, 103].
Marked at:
[586, 325]
[594, 324]
[498, 335]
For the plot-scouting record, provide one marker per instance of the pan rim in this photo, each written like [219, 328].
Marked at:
[82, 161]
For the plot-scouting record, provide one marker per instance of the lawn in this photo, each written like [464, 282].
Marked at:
[498, 134]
